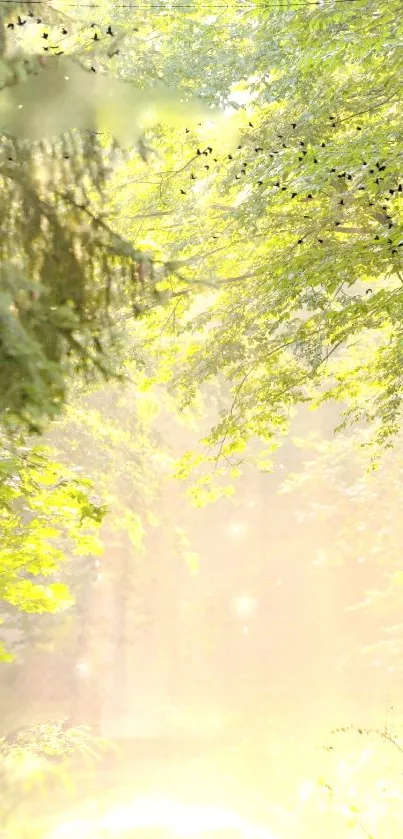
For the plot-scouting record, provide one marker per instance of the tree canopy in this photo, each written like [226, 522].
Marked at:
[297, 224]
[292, 215]
[62, 263]
[258, 252]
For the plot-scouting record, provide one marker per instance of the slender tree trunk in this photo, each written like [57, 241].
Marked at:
[121, 632]
[91, 655]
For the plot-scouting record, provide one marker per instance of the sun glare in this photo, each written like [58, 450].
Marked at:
[237, 528]
[244, 606]
[172, 817]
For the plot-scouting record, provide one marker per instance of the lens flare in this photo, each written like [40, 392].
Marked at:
[244, 606]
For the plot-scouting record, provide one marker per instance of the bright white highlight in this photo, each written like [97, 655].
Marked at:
[237, 528]
[179, 819]
[245, 606]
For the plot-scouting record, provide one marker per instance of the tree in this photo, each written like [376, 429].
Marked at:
[296, 225]
[66, 275]
[89, 655]
[67, 279]
[109, 431]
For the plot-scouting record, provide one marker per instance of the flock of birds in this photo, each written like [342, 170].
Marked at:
[382, 194]
[55, 48]
[382, 198]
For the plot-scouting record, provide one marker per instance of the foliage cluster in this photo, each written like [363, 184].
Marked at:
[46, 512]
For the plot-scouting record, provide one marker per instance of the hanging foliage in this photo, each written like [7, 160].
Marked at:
[46, 511]
[66, 275]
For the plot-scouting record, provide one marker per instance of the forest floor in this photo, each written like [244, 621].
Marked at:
[264, 778]
[261, 785]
